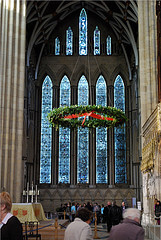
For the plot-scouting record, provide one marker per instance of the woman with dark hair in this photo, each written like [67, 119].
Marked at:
[80, 229]
[10, 226]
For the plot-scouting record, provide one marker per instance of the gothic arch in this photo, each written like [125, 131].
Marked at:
[64, 70]
[46, 71]
[119, 71]
[102, 70]
[82, 70]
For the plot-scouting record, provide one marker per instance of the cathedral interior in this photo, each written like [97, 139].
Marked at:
[64, 53]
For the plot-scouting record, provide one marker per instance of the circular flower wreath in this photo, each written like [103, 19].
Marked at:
[98, 116]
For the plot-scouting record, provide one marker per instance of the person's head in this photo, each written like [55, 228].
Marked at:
[84, 214]
[5, 202]
[132, 213]
[158, 202]
[123, 204]
[108, 203]
[114, 203]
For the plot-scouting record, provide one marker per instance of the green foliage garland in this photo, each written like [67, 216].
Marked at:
[56, 116]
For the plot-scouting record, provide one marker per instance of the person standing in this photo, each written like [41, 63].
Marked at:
[130, 228]
[115, 214]
[10, 226]
[107, 216]
[73, 211]
[123, 207]
[80, 229]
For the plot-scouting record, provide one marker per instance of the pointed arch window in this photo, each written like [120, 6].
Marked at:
[119, 133]
[83, 137]
[83, 33]
[64, 135]
[57, 46]
[108, 45]
[46, 132]
[101, 135]
[96, 41]
[69, 41]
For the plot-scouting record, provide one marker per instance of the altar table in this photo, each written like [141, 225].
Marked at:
[28, 212]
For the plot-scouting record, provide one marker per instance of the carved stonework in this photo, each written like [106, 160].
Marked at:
[151, 136]
[51, 199]
[151, 163]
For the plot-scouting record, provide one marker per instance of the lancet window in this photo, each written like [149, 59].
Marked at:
[108, 45]
[83, 136]
[57, 46]
[101, 135]
[64, 135]
[96, 41]
[119, 133]
[46, 132]
[83, 33]
[69, 41]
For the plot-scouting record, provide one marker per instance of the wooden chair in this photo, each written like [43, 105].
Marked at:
[31, 230]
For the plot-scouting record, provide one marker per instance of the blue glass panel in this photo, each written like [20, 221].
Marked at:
[108, 45]
[57, 46]
[69, 41]
[64, 135]
[119, 133]
[101, 135]
[97, 41]
[83, 33]
[46, 133]
[83, 137]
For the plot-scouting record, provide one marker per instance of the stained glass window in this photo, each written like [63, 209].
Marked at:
[101, 135]
[96, 41]
[83, 138]
[57, 46]
[46, 132]
[69, 41]
[64, 135]
[108, 45]
[119, 133]
[83, 33]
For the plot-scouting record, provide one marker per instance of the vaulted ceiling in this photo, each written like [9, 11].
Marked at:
[44, 16]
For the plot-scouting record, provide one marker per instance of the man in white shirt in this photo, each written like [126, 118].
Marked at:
[80, 229]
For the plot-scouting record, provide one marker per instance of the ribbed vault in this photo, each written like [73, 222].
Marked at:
[44, 16]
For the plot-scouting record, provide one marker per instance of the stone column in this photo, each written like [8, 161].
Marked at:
[148, 79]
[147, 59]
[12, 76]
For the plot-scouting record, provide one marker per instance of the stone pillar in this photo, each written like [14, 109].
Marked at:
[147, 59]
[12, 78]
[148, 80]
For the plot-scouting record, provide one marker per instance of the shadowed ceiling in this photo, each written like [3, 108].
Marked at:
[44, 16]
